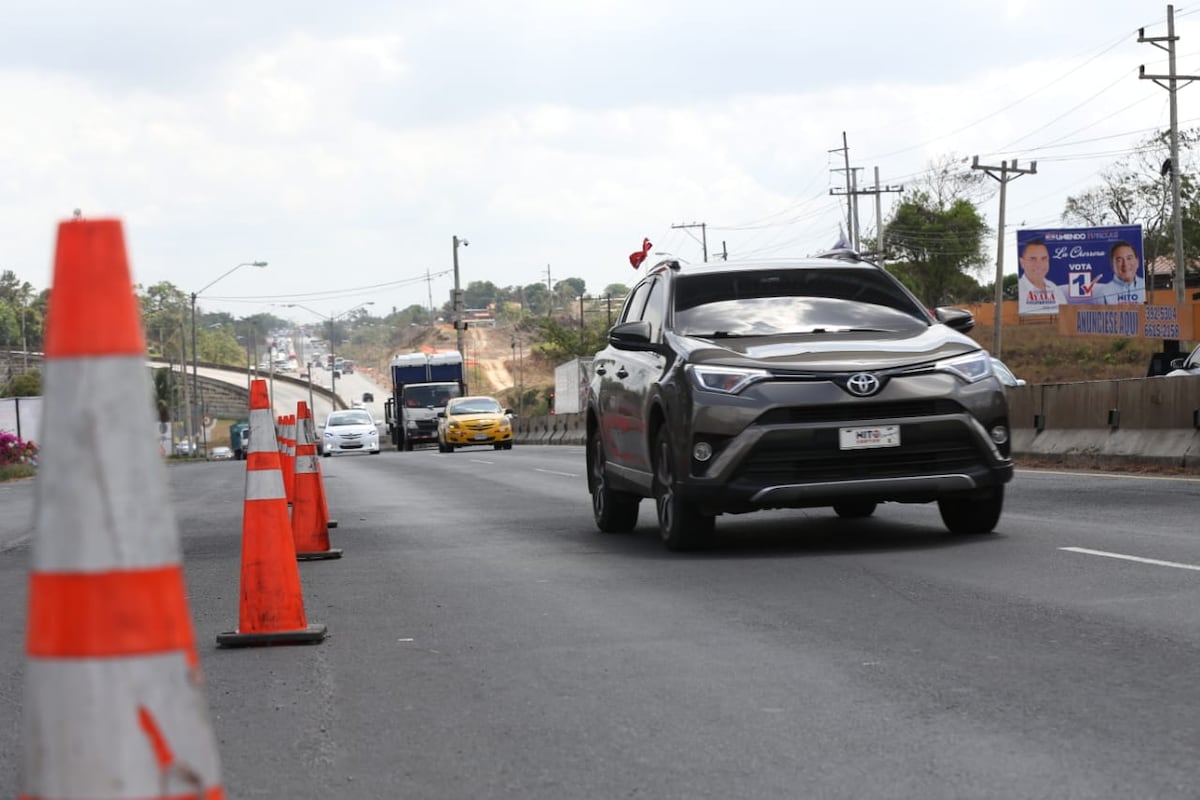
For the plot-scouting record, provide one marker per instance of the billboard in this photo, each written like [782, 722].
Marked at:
[1079, 266]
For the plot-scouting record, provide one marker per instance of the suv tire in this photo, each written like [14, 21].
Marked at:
[614, 512]
[855, 509]
[680, 524]
[972, 512]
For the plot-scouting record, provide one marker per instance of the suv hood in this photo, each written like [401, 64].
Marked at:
[833, 352]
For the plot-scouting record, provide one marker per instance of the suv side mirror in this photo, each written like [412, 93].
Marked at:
[631, 336]
[958, 319]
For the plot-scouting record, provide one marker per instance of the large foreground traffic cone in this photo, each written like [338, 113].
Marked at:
[271, 610]
[309, 528]
[114, 706]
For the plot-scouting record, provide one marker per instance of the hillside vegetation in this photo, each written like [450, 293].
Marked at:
[1035, 352]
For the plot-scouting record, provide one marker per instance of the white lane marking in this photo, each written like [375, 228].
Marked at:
[1138, 559]
[555, 472]
[481, 461]
[1116, 475]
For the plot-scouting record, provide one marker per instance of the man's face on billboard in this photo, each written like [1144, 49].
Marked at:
[1035, 261]
[1125, 263]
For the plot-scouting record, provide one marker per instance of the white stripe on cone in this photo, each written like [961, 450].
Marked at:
[111, 756]
[107, 504]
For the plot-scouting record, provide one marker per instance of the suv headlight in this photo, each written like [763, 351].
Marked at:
[726, 380]
[971, 368]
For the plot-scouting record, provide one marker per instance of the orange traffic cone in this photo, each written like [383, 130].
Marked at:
[323, 503]
[308, 527]
[272, 605]
[287, 454]
[114, 706]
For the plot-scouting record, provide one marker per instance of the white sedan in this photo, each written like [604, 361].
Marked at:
[352, 431]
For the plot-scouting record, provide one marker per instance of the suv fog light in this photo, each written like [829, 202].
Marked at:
[702, 451]
[999, 434]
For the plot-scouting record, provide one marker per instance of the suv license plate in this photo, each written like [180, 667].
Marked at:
[865, 438]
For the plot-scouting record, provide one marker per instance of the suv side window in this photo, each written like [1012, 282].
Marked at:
[655, 310]
[633, 305]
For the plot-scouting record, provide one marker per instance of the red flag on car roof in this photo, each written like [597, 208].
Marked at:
[638, 256]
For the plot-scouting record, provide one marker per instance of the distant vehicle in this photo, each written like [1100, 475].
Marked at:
[421, 385]
[368, 397]
[352, 431]
[239, 439]
[474, 421]
[1186, 366]
[183, 447]
[1005, 374]
[348, 366]
[220, 453]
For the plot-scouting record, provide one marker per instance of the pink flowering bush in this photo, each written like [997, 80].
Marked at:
[14, 450]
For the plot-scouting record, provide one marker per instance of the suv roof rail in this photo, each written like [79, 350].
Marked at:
[842, 253]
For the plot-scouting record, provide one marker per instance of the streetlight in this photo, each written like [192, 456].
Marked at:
[332, 354]
[195, 364]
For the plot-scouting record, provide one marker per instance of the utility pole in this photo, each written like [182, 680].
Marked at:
[429, 289]
[549, 293]
[1004, 173]
[845, 151]
[456, 299]
[878, 190]
[1172, 86]
[703, 234]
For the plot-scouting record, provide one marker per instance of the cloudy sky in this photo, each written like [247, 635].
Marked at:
[347, 143]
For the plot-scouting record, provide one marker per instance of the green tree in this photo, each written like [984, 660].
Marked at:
[1136, 190]
[616, 290]
[935, 240]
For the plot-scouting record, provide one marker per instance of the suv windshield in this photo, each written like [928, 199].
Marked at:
[765, 302]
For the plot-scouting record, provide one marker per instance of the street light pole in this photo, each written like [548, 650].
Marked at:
[195, 363]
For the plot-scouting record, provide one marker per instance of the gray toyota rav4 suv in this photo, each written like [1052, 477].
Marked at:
[734, 387]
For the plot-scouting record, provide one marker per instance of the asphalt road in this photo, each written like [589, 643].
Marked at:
[486, 641]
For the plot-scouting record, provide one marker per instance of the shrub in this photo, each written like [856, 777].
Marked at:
[14, 450]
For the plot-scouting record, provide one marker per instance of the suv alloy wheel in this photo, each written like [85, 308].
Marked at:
[614, 512]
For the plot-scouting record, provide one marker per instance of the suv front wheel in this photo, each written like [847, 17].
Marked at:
[680, 524]
[972, 512]
[614, 512]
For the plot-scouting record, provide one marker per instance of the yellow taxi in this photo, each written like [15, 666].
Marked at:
[469, 421]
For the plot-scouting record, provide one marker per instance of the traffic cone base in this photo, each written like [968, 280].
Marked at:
[313, 634]
[320, 555]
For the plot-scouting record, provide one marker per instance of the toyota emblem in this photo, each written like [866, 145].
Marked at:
[862, 384]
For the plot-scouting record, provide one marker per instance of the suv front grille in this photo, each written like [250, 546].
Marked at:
[859, 412]
[813, 456]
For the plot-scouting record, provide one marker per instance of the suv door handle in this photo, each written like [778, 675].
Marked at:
[601, 371]
[622, 373]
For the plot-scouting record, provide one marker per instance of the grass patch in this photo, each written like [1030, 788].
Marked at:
[15, 472]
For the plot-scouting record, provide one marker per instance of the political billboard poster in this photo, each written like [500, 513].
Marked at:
[1079, 266]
